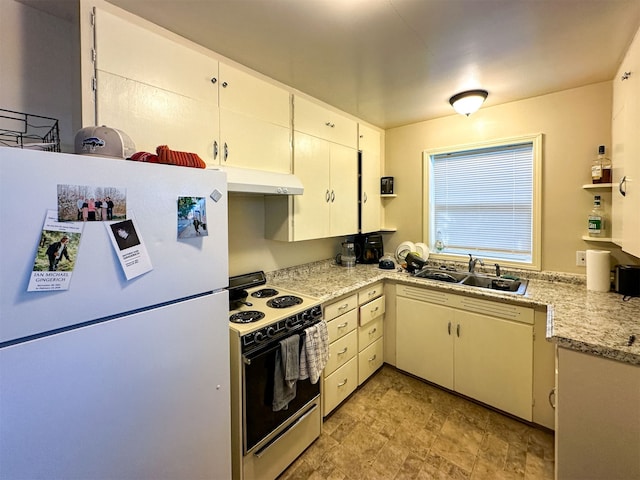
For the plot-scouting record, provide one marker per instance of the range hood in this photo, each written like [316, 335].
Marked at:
[246, 180]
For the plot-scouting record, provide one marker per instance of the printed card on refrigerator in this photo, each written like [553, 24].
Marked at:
[56, 254]
[128, 244]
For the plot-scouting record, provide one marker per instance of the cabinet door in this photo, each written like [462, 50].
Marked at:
[370, 192]
[316, 120]
[136, 53]
[494, 362]
[369, 145]
[311, 211]
[424, 344]
[148, 115]
[249, 95]
[344, 190]
[626, 151]
[249, 142]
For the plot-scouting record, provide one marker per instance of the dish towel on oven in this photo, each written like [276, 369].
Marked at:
[315, 352]
[286, 372]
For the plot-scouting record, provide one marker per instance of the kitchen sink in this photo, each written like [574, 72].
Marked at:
[441, 275]
[505, 285]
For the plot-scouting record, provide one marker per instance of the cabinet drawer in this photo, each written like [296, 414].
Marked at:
[341, 351]
[340, 326]
[370, 360]
[371, 310]
[369, 293]
[340, 384]
[332, 310]
[370, 333]
[314, 119]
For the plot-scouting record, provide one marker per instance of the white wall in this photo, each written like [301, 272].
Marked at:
[36, 65]
[574, 122]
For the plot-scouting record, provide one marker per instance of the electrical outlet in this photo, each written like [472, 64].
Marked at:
[581, 258]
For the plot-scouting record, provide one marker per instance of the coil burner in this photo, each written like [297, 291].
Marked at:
[246, 316]
[285, 301]
[265, 293]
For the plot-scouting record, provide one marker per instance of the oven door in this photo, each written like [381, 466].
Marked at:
[259, 418]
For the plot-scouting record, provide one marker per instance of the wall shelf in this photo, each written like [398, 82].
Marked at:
[592, 186]
[388, 195]
[587, 238]
[388, 230]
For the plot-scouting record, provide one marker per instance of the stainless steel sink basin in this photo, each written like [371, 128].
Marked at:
[441, 275]
[517, 287]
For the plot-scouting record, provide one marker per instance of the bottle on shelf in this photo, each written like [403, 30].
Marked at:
[601, 167]
[597, 219]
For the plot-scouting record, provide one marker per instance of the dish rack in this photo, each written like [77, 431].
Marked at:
[24, 130]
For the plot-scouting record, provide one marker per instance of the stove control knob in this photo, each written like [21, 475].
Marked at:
[259, 337]
[271, 332]
[290, 322]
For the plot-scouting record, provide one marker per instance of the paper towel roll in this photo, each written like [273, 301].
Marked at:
[598, 270]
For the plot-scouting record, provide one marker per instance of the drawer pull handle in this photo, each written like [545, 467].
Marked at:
[449, 328]
[375, 310]
[342, 384]
[372, 358]
[552, 398]
[343, 351]
[342, 307]
[372, 331]
[371, 294]
[458, 330]
[342, 325]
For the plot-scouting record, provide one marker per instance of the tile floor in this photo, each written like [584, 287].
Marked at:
[397, 427]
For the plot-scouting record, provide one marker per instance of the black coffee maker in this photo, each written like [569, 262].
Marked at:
[369, 247]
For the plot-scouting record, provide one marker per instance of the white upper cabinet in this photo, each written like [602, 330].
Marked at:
[157, 91]
[135, 53]
[255, 122]
[369, 146]
[626, 151]
[161, 92]
[321, 122]
[253, 97]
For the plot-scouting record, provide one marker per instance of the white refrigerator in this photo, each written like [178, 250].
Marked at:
[114, 377]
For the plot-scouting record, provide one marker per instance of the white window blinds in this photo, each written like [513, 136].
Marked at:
[481, 202]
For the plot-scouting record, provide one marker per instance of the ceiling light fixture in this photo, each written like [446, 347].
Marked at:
[465, 103]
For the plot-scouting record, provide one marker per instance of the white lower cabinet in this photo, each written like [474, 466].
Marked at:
[356, 328]
[479, 348]
[598, 419]
[340, 384]
[340, 376]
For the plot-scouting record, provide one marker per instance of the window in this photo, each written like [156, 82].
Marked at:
[484, 200]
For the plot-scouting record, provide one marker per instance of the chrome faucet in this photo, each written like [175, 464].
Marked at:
[497, 270]
[472, 263]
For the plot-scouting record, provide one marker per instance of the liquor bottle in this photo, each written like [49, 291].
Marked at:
[596, 219]
[601, 167]
[606, 165]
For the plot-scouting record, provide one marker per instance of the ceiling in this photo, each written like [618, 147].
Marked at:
[395, 62]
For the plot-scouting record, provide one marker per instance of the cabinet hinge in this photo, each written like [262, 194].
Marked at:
[534, 336]
[92, 19]
[94, 84]
[93, 55]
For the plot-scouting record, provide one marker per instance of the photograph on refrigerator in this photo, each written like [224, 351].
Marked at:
[192, 217]
[56, 254]
[85, 203]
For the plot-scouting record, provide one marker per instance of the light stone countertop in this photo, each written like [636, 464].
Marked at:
[591, 322]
